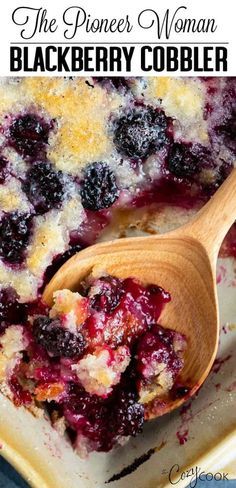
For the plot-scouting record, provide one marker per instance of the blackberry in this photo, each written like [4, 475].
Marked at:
[14, 236]
[113, 82]
[127, 415]
[57, 341]
[99, 188]
[105, 294]
[3, 169]
[43, 187]
[89, 416]
[11, 311]
[140, 132]
[182, 162]
[28, 134]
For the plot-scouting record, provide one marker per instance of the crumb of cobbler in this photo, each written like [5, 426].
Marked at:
[100, 371]
[12, 343]
[71, 307]
[94, 360]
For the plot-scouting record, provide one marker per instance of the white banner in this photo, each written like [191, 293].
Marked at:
[185, 37]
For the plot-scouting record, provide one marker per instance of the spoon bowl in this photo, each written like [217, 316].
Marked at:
[183, 262]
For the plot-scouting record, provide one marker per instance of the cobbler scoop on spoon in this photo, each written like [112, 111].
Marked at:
[182, 262]
[109, 359]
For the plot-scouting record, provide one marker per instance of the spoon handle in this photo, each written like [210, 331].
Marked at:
[213, 221]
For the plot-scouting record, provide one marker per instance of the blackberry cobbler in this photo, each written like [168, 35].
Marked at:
[83, 160]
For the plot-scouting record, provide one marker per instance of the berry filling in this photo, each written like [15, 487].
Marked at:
[96, 359]
[28, 134]
[98, 188]
[11, 310]
[3, 170]
[15, 230]
[182, 162]
[57, 341]
[43, 187]
[159, 361]
[228, 130]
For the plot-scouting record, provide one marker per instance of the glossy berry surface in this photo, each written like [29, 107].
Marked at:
[43, 187]
[107, 294]
[15, 230]
[99, 189]
[28, 134]
[182, 162]
[180, 391]
[88, 415]
[102, 422]
[140, 132]
[57, 340]
[123, 310]
[156, 346]
[20, 396]
[128, 415]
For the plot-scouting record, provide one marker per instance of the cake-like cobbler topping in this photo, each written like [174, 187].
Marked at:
[95, 359]
[79, 154]
[83, 160]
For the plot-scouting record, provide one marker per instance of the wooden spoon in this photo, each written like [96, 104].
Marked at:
[183, 262]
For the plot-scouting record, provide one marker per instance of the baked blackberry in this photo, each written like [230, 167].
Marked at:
[28, 134]
[56, 340]
[99, 187]
[44, 187]
[140, 132]
[3, 169]
[182, 162]
[15, 231]
[107, 293]
[128, 415]
[11, 310]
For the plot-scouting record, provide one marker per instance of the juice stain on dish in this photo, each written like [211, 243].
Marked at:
[136, 463]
